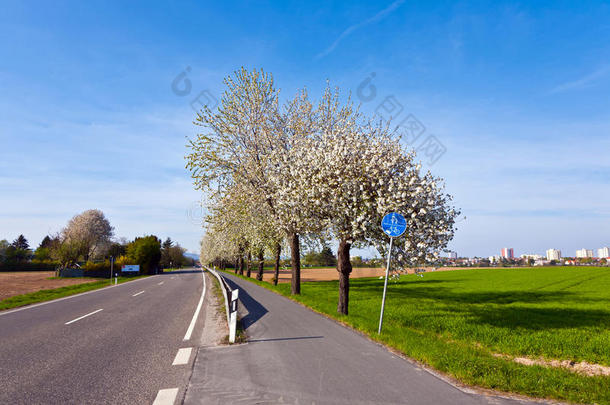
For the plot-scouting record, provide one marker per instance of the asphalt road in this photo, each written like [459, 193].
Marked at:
[120, 352]
[297, 356]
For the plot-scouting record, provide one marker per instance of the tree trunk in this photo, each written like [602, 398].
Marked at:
[278, 252]
[241, 265]
[344, 267]
[249, 273]
[295, 256]
[236, 264]
[261, 265]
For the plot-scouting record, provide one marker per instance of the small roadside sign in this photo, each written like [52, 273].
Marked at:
[127, 268]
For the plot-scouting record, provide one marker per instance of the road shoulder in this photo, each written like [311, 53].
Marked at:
[215, 326]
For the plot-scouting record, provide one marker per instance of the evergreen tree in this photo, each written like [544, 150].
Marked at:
[21, 243]
[327, 257]
[166, 257]
[46, 242]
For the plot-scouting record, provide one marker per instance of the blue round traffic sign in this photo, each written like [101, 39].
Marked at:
[394, 224]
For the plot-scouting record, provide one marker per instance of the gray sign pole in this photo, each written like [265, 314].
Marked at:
[385, 285]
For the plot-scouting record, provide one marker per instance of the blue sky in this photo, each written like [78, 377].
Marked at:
[517, 94]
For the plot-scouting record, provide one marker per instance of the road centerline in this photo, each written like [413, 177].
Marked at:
[189, 331]
[84, 316]
[136, 294]
[161, 283]
[183, 356]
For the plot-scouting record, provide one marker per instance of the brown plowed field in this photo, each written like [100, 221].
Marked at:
[325, 274]
[23, 282]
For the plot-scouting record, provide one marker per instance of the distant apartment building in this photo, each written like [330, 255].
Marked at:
[531, 256]
[584, 253]
[507, 253]
[453, 255]
[603, 252]
[553, 254]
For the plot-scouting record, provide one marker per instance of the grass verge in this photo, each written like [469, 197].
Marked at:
[455, 322]
[51, 294]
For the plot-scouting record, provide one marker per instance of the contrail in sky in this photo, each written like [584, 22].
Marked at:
[380, 15]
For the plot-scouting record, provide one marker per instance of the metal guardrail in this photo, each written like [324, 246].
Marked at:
[231, 297]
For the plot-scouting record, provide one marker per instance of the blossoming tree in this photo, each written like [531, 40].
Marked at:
[246, 143]
[357, 173]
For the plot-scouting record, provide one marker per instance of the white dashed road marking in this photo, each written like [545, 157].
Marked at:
[161, 283]
[84, 316]
[136, 294]
[166, 396]
[183, 356]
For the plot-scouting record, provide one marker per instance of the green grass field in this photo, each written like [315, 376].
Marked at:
[455, 320]
[51, 294]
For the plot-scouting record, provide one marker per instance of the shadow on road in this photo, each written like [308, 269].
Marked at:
[255, 309]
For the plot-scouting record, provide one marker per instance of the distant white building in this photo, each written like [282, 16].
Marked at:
[453, 255]
[494, 259]
[531, 256]
[553, 254]
[584, 253]
[603, 252]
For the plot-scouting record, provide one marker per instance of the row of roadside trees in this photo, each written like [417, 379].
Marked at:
[276, 173]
